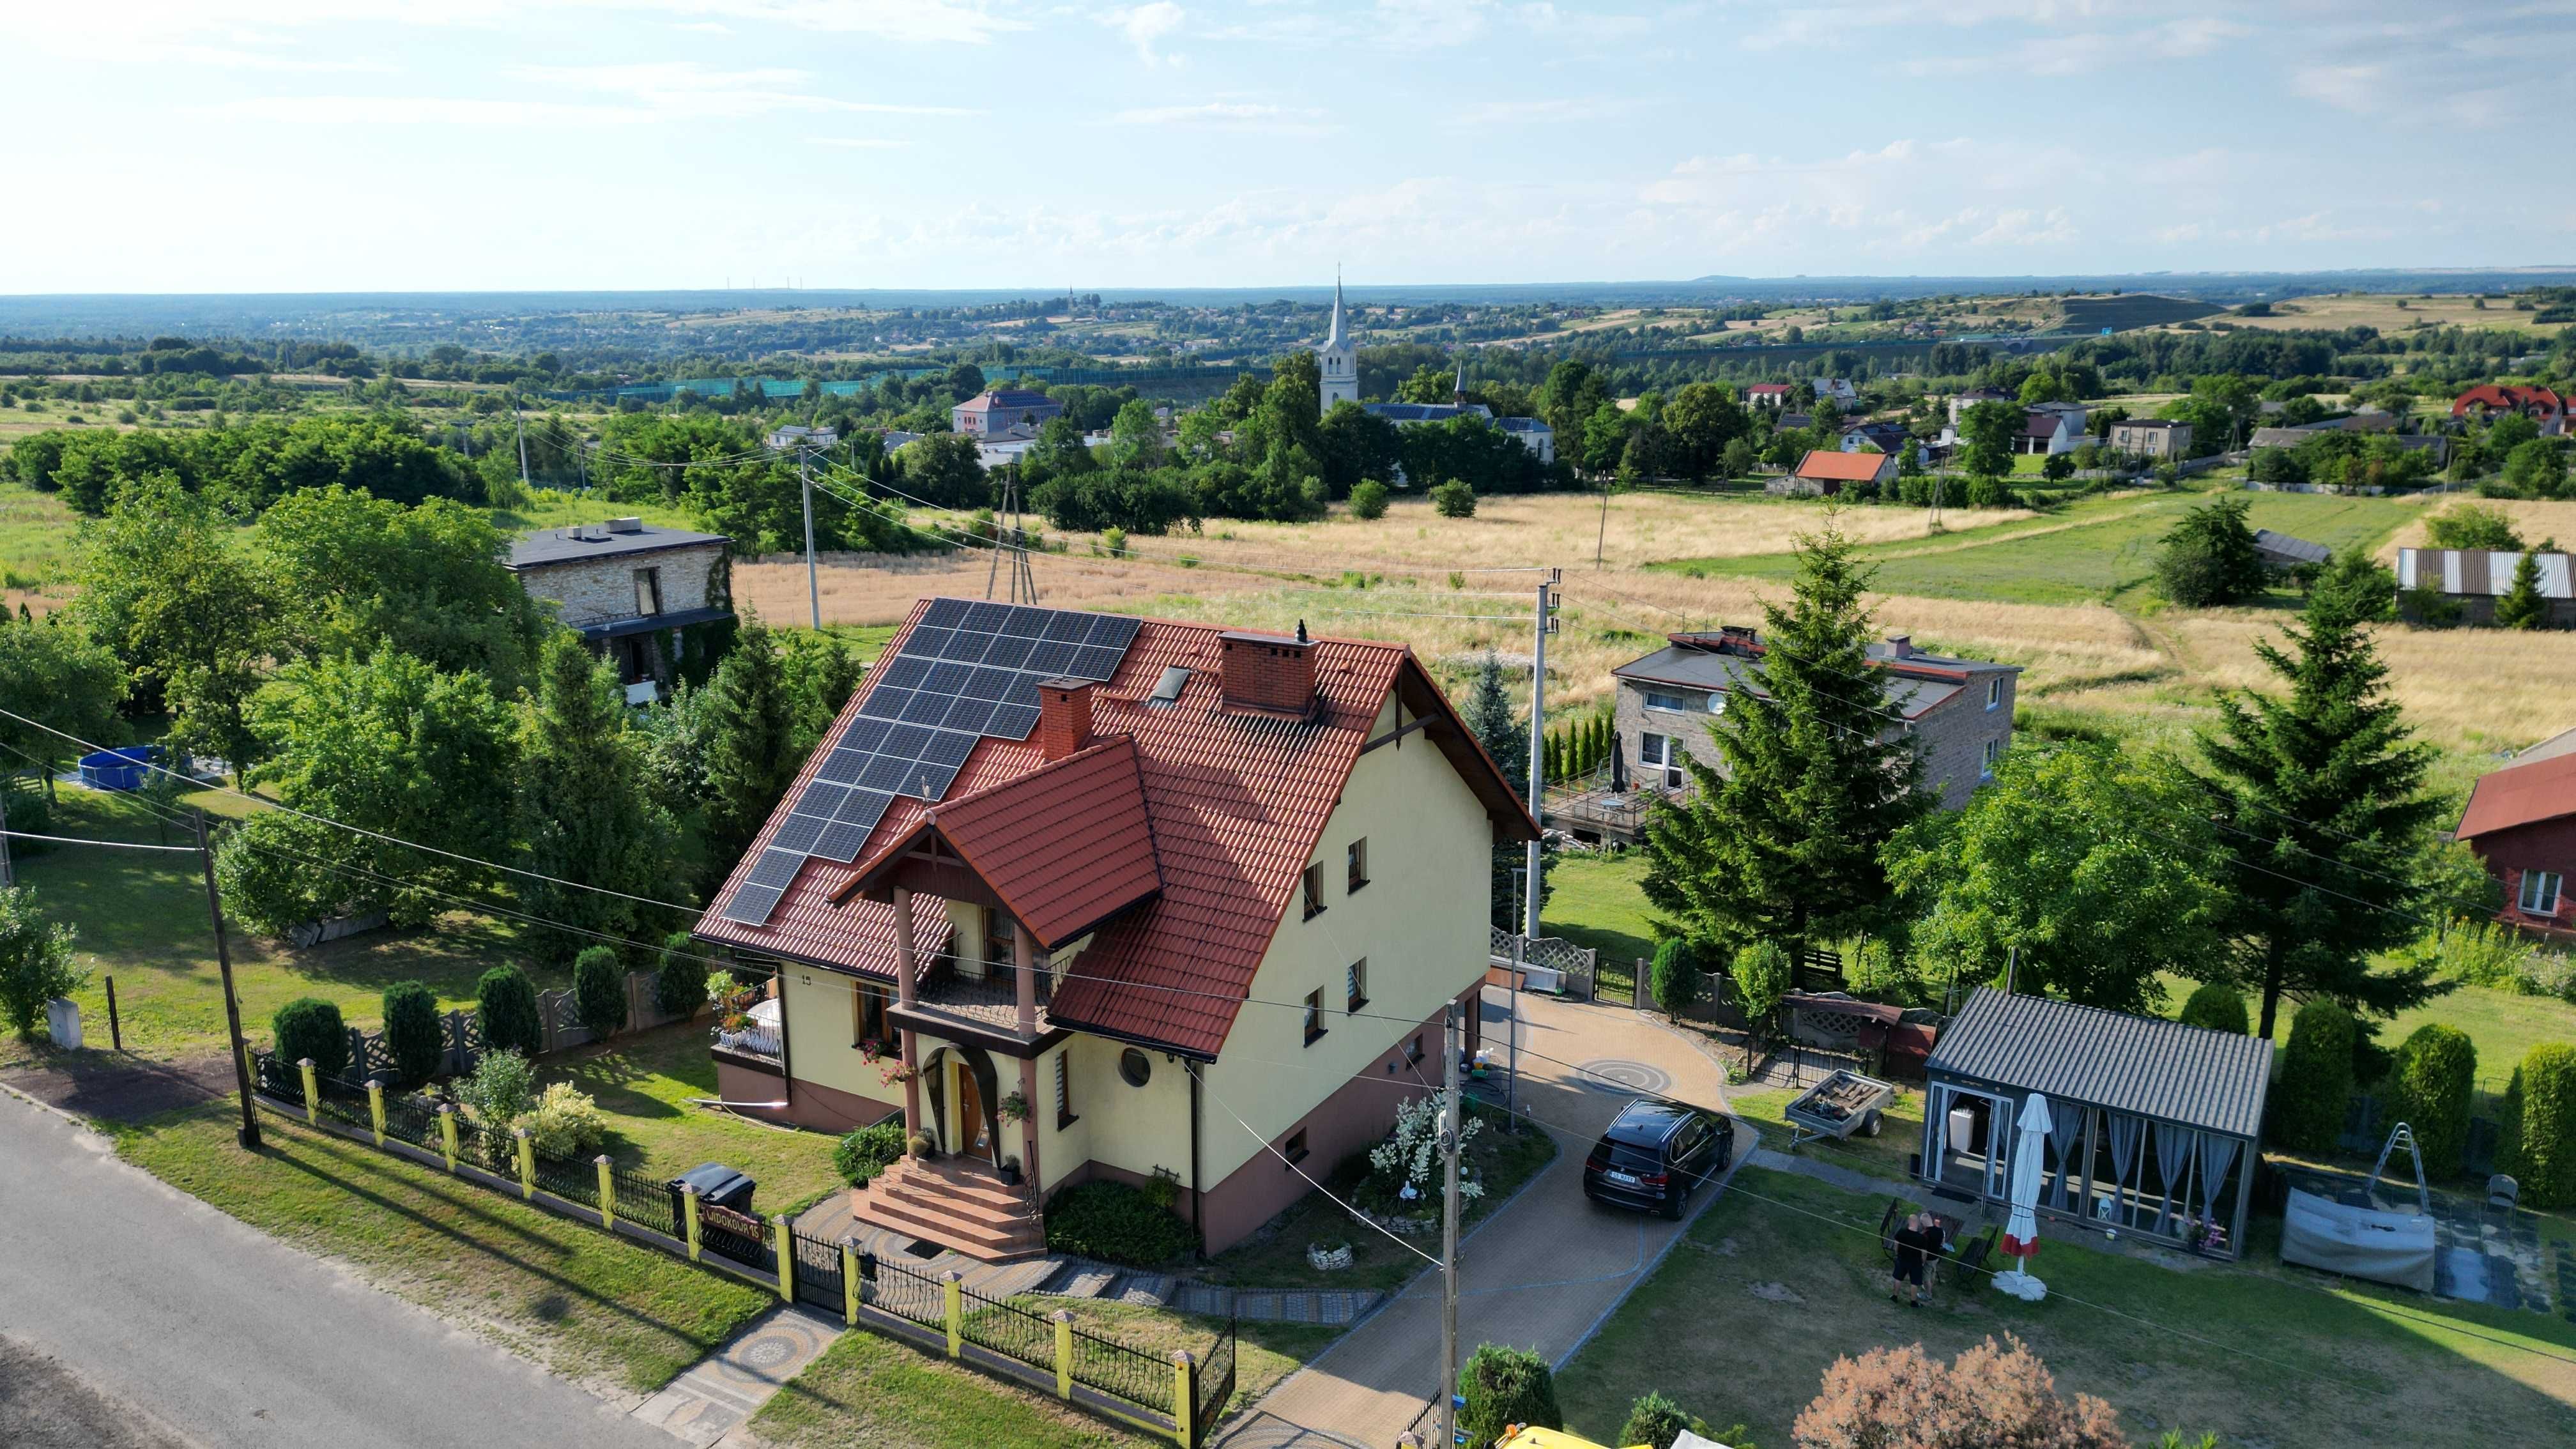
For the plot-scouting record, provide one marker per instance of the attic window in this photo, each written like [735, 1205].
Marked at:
[1167, 690]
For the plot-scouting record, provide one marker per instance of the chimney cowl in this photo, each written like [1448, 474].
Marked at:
[1268, 674]
[1064, 718]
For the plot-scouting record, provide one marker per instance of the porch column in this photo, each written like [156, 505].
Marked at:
[904, 992]
[1029, 1123]
[1025, 967]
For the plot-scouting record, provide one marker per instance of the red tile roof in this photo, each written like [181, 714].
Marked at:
[2500, 397]
[1768, 388]
[1236, 806]
[1066, 847]
[2520, 795]
[1826, 463]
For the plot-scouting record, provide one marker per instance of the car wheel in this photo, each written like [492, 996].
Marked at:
[1870, 1124]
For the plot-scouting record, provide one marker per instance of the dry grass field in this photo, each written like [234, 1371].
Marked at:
[2380, 310]
[1439, 584]
[2535, 520]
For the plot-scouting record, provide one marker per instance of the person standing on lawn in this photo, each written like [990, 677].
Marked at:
[1907, 1287]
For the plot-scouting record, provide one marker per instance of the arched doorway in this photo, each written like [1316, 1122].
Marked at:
[965, 1073]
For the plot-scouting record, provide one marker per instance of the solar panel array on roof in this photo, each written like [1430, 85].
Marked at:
[969, 670]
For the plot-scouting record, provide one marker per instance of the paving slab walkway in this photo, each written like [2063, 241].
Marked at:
[727, 1387]
[1544, 1271]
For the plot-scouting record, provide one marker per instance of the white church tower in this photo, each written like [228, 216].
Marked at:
[1338, 361]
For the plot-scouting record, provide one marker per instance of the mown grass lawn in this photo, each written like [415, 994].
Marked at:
[867, 1389]
[1766, 1291]
[1597, 901]
[142, 918]
[587, 1305]
[649, 1083]
[1900, 1131]
[1265, 1353]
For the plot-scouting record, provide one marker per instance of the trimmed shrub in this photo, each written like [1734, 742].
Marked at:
[309, 1027]
[506, 1003]
[1116, 1223]
[2436, 1066]
[1368, 500]
[1657, 1421]
[501, 1090]
[1454, 499]
[1675, 978]
[2218, 1008]
[680, 979]
[2540, 1109]
[565, 1122]
[599, 990]
[412, 1034]
[2316, 1078]
[1762, 977]
[861, 1155]
[1505, 1386]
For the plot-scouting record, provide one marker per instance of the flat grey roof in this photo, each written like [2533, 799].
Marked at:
[1708, 669]
[552, 547]
[2213, 1080]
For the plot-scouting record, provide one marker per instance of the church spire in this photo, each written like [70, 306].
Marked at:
[1339, 334]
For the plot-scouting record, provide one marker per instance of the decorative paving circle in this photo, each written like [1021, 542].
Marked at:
[1612, 1074]
[768, 1351]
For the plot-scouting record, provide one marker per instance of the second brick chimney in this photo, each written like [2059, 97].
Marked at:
[1268, 673]
[1064, 717]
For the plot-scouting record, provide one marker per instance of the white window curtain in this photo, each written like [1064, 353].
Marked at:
[2217, 1155]
[2122, 1132]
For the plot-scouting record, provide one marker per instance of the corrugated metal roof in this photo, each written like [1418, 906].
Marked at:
[2137, 1064]
[2289, 546]
[2520, 794]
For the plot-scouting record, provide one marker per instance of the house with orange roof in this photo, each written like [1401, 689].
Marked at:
[1827, 471]
[1082, 897]
[2542, 405]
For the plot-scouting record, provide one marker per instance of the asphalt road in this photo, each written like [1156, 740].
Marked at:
[132, 1303]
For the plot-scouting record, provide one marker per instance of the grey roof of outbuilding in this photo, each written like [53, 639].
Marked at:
[551, 547]
[1708, 669]
[2153, 1068]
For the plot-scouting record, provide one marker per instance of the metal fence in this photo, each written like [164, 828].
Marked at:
[816, 1271]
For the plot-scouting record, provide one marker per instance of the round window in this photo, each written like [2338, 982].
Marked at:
[1136, 1067]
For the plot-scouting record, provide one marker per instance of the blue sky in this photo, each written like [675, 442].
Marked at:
[308, 145]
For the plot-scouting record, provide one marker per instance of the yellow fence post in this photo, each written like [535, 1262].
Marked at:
[850, 1280]
[607, 1192]
[1185, 1382]
[689, 1216]
[447, 1132]
[312, 1092]
[952, 1288]
[527, 1163]
[786, 1256]
[376, 1108]
[1063, 1353]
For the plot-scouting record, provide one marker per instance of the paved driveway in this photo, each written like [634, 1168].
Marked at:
[162, 1311]
[1539, 1274]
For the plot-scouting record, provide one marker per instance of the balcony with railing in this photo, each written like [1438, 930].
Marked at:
[988, 1004]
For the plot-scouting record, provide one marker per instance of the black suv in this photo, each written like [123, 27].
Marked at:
[1656, 1154]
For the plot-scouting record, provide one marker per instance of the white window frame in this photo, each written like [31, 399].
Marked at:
[1669, 703]
[1995, 692]
[1993, 751]
[2542, 892]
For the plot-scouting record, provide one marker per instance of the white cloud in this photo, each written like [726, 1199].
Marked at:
[857, 143]
[1549, 109]
[2345, 87]
[1240, 115]
[1146, 25]
[424, 111]
[686, 89]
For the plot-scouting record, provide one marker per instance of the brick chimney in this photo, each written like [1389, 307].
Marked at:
[1268, 673]
[1064, 717]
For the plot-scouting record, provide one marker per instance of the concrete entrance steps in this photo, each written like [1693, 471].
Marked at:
[956, 1207]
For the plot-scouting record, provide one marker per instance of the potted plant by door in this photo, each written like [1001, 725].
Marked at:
[1011, 1171]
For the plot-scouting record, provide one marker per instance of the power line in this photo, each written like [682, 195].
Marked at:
[112, 844]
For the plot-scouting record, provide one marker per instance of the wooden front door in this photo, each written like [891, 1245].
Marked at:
[973, 1132]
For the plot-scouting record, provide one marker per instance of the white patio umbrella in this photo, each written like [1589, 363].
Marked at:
[2021, 1230]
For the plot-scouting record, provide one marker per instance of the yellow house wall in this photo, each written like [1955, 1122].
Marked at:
[818, 1005]
[1421, 921]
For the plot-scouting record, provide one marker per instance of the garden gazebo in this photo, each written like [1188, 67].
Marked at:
[2155, 1125]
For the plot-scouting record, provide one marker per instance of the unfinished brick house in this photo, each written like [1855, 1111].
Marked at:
[644, 596]
[1079, 896]
[1957, 712]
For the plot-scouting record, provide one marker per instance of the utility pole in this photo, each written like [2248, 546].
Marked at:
[8, 876]
[805, 483]
[249, 1133]
[520, 426]
[1449, 1037]
[1545, 624]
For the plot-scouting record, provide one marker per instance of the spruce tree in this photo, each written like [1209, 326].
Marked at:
[585, 810]
[749, 758]
[2521, 606]
[2319, 797]
[1783, 844]
[1490, 719]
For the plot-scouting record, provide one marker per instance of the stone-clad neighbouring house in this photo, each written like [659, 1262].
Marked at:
[1958, 712]
[644, 596]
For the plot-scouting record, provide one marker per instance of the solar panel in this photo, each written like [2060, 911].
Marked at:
[968, 671]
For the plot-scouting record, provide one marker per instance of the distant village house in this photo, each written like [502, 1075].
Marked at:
[642, 595]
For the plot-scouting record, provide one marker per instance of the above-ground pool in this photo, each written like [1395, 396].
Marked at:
[124, 769]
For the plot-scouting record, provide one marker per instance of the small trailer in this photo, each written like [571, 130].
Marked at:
[1839, 1106]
